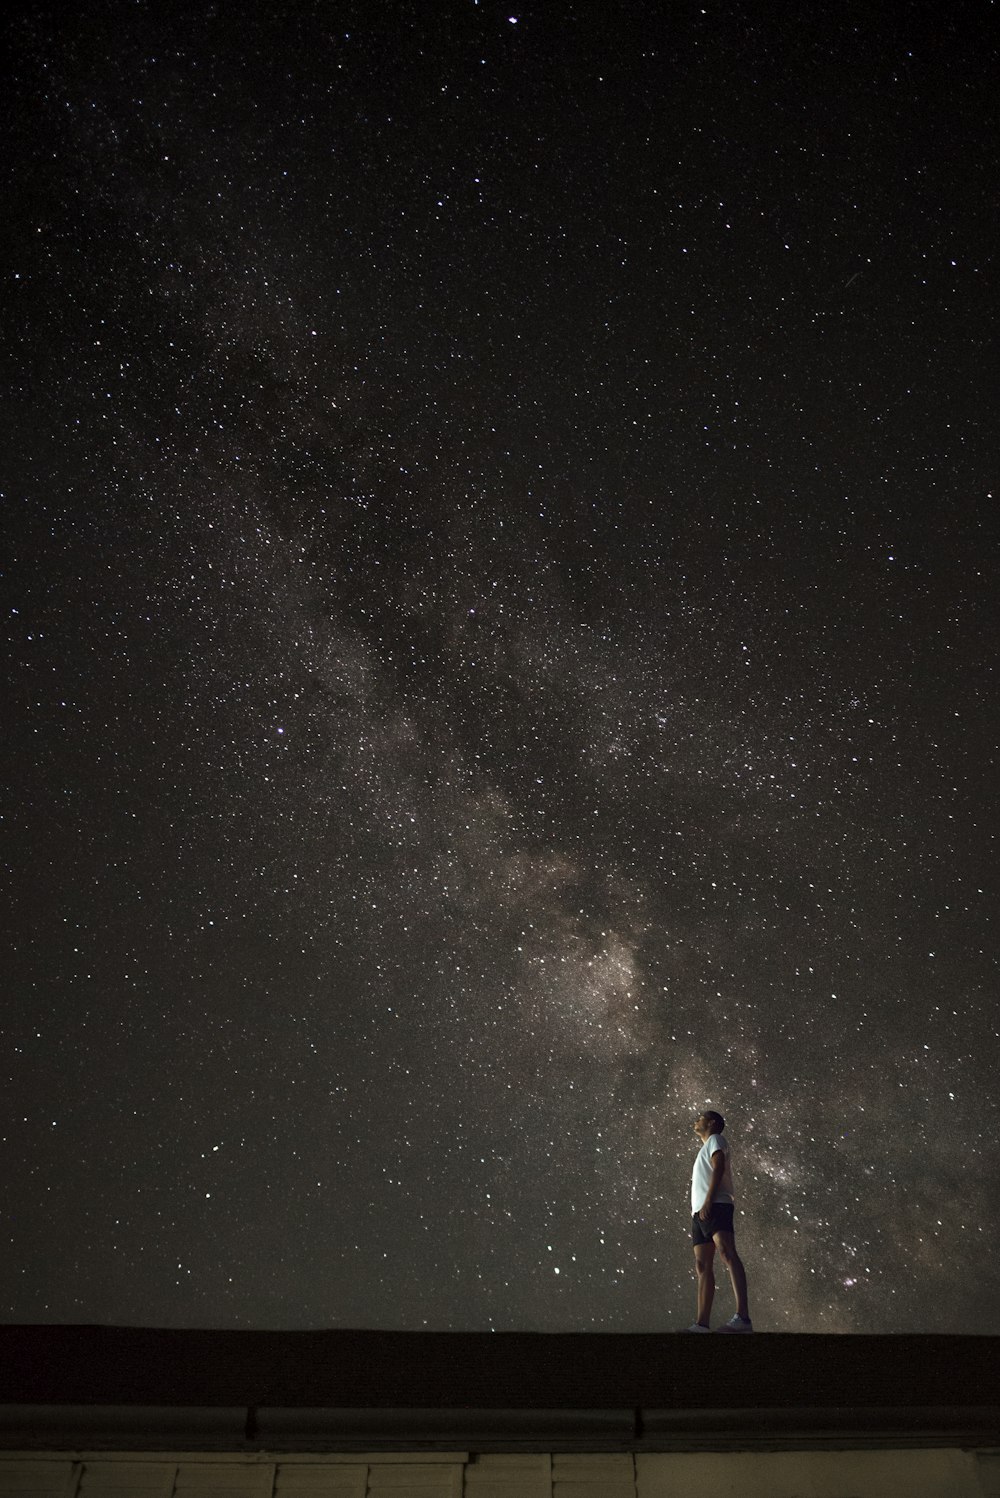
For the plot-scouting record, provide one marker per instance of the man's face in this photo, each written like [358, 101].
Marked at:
[701, 1126]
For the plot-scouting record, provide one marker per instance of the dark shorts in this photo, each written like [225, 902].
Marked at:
[719, 1221]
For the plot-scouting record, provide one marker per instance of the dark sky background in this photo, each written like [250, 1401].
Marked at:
[501, 525]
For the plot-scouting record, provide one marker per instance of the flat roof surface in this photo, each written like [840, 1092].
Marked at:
[329, 1388]
[150, 1365]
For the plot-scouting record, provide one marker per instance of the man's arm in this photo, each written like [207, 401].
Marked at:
[718, 1167]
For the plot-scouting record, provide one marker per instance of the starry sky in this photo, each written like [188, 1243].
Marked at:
[500, 516]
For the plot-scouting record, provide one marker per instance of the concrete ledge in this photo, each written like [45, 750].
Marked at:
[93, 1426]
[248, 1432]
[846, 1427]
[275, 1428]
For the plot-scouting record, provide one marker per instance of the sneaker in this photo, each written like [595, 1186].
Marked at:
[737, 1324]
[696, 1326]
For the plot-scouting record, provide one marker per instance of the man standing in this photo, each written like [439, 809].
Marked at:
[712, 1224]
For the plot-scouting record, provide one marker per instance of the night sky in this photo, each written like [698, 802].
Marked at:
[500, 559]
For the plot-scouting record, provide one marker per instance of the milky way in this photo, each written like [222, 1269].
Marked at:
[501, 547]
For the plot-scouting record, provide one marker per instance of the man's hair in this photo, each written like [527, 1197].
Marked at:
[717, 1119]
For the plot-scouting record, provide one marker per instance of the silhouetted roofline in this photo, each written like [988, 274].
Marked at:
[105, 1387]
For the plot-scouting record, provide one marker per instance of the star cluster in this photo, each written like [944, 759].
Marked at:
[501, 562]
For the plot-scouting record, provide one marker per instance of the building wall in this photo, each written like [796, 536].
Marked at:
[786, 1474]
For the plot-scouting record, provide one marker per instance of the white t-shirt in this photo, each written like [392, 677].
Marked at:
[701, 1176]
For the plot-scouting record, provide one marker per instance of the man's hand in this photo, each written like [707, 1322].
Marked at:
[705, 1212]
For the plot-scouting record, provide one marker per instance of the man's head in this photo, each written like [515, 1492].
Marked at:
[707, 1124]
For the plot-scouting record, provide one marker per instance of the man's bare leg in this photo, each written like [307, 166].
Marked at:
[726, 1243]
[704, 1253]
